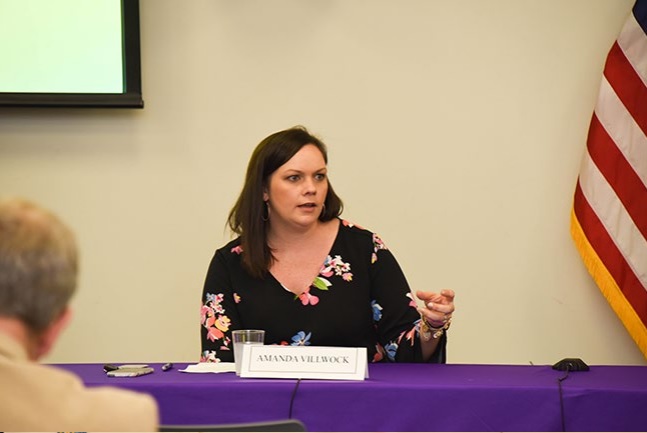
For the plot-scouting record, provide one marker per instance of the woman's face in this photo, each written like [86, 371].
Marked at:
[298, 189]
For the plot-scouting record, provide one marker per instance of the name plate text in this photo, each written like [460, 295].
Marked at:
[304, 362]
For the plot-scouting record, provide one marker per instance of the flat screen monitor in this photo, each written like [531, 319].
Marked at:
[70, 53]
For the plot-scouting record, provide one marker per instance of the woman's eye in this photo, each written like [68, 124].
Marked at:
[320, 176]
[293, 178]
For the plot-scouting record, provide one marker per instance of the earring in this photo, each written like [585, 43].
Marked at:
[323, 210]
[266, 214]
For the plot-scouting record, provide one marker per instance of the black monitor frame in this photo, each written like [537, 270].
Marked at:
[130, 98]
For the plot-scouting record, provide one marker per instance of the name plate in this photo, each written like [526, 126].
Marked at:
[304, 362]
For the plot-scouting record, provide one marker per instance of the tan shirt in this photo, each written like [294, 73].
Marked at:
[35, 397]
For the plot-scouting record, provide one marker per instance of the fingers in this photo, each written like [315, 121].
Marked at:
[435, 318]
[438, 307]
[448, 293]
[435, 311]
[444, 295]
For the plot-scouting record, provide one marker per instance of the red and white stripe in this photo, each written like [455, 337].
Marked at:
[609, 219]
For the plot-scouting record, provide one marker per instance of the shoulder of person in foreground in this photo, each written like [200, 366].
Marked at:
[57, 400]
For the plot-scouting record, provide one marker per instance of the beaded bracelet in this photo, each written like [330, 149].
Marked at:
[427, 332]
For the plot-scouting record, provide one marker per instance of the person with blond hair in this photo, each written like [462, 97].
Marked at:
[38, 276]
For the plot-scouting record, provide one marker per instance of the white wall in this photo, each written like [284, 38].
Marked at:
[455, 131]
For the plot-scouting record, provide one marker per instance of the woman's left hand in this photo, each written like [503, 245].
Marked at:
[438, 307]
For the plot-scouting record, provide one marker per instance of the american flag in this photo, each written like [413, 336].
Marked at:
[609, 217]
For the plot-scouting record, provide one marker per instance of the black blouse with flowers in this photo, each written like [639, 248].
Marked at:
[360, 298]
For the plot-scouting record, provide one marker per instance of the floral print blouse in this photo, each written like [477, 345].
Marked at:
[360, 298]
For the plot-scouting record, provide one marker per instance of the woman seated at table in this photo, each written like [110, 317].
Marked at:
[308, 277]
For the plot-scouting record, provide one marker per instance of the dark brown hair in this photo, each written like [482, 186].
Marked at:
[248, 216]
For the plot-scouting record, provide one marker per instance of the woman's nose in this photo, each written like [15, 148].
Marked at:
[310, 186]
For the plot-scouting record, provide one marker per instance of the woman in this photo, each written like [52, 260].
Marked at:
[306, 276]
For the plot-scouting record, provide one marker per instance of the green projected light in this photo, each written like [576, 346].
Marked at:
[64, 46]
[70, 53]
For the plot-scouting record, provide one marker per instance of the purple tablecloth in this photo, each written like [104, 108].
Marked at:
[404, 397]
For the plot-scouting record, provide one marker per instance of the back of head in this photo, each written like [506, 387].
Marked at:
[38, 264]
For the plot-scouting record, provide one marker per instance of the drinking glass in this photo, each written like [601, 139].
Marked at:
[241, 337]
